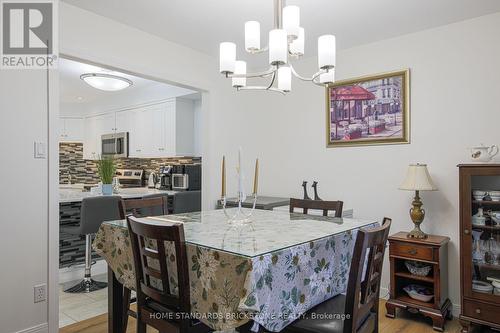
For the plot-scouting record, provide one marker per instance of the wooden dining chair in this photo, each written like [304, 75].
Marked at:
[157, 305]
[360, 305]
[147, 206]
[152, 206]
[325, 206]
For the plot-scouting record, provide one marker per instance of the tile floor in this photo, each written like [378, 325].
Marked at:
[77, 307]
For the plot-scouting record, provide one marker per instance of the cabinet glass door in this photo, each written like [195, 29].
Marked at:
[485, 238]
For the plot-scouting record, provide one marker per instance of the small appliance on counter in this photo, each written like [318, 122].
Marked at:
[186, 177]
[152, 180]
[130, 177]
[165, 175]
[180, 181]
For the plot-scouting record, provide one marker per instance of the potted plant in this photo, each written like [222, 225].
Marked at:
[106, 169]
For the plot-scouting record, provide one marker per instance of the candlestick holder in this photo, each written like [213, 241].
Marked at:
[240, 216]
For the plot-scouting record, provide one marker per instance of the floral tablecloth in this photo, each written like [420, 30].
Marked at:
[272, 288]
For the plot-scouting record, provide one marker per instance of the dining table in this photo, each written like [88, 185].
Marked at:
[270, 269]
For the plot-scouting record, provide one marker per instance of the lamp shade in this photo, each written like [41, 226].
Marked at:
[278, 47]
[240, 68]
[418, 179]
[227, 57]
[252, 36]
[297, 46]
[328, 77]
[291, 20]
[285, 78]
[326, 51]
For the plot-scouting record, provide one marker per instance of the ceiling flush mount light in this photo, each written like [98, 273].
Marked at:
[106, 82]
[286, 43]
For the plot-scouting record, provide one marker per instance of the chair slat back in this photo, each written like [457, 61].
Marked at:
[144, 207]
[148, 246]
[364, 279]
[323, 205]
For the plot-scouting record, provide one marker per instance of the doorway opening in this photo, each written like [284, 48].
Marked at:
[150, 129]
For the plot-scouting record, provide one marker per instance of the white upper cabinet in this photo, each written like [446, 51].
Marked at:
[150, 131]
[92, 141]
[106, 123]
[71, 129]
[140, 133]
[159, 130]
[122, 121]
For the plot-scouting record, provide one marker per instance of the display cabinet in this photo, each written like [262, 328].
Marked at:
[480, 245]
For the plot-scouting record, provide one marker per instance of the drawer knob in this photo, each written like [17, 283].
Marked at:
[478, 311]
[412, 251]
[466, 231]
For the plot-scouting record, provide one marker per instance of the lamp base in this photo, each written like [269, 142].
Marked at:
[417, 233]
[417, 215]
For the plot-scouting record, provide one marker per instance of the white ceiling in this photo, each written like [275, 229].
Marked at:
[78, 98]
[203, 24]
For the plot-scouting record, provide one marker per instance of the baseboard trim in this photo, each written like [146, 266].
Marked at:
[42, 328]
[455, 308]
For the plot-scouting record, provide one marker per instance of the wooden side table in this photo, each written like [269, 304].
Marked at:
[433, 251]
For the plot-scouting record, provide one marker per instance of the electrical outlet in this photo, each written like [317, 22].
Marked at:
[39, 293]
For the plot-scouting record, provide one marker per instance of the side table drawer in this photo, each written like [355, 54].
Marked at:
[412, 251]
[483, 311]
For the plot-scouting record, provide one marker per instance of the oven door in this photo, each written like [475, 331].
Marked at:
[114, 145]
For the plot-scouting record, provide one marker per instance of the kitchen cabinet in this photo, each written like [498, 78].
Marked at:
[70, 129]
[140, 132]
[122, 121]
[106, 123]
[151, 131]
[157, 130]
[95, 127]
[92, 139]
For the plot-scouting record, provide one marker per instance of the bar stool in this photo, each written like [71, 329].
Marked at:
[93, 212]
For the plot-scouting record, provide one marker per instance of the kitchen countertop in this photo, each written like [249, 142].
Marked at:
[75, 195]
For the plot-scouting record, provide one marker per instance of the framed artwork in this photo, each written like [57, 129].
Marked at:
[369, 110]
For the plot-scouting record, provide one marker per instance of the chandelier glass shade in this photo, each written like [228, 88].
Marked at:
[286, 44]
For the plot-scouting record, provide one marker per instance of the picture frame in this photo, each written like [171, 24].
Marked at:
[369, 110]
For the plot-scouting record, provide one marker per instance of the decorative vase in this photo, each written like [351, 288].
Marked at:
[107, 189]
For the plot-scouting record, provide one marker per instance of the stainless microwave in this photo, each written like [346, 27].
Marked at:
[180, 181]
[114, 145]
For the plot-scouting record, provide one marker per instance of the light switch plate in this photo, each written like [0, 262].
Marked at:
[40, 150]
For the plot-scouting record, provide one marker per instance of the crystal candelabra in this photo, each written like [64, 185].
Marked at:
[240, 216]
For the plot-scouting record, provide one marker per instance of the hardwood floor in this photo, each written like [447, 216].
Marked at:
[404, 322]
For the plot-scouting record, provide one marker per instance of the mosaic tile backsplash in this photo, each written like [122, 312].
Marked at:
[71, 162]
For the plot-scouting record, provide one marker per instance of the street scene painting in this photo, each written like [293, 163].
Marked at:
[370, 110]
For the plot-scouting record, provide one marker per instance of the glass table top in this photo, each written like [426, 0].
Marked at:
[269, 231]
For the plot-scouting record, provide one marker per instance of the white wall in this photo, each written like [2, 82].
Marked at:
[24, 200]
[197, 127]
[455, 73]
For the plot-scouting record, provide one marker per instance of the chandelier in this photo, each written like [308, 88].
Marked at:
[286, 44]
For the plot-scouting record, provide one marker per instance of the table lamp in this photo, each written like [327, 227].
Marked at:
[417, 179]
